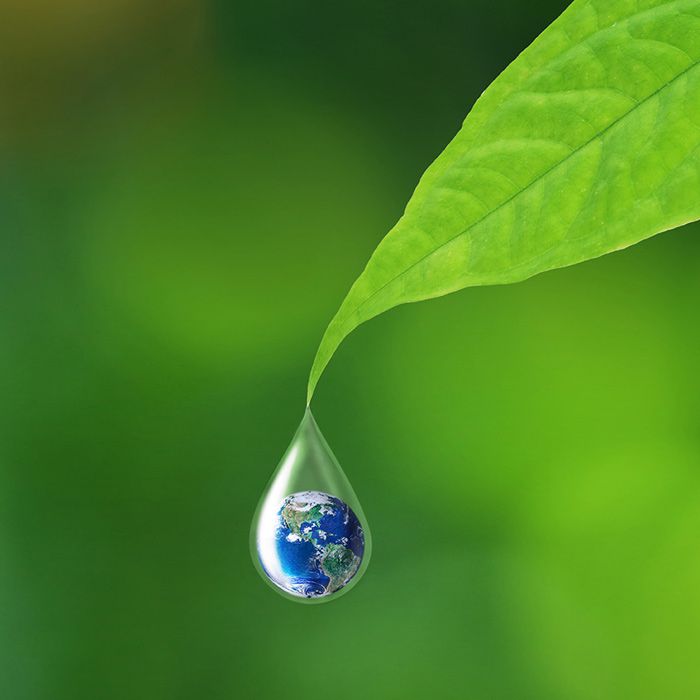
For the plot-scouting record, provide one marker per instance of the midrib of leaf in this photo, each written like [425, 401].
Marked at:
[508, 90]
[534, 181]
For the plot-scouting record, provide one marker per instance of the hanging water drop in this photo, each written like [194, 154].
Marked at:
[309, 538]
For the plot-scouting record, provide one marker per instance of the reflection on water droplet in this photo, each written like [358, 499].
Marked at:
[309, 538]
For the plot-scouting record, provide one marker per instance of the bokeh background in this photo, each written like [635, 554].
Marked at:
[187, 190]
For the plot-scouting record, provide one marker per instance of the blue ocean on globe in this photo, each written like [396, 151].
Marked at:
[318, 545]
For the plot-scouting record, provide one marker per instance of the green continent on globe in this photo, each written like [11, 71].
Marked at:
[339, 563]
[293, 518]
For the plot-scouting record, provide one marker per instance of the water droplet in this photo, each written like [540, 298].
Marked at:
[309, 538]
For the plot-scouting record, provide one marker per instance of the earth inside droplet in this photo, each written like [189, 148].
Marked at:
[317, 546]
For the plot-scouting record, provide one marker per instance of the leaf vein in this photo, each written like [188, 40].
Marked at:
[493, 211]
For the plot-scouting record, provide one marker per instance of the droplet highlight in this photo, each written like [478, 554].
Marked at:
[309, 537]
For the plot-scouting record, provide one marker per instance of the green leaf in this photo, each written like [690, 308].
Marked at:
[587, 143]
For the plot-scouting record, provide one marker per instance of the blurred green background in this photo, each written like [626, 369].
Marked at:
[187, 191]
